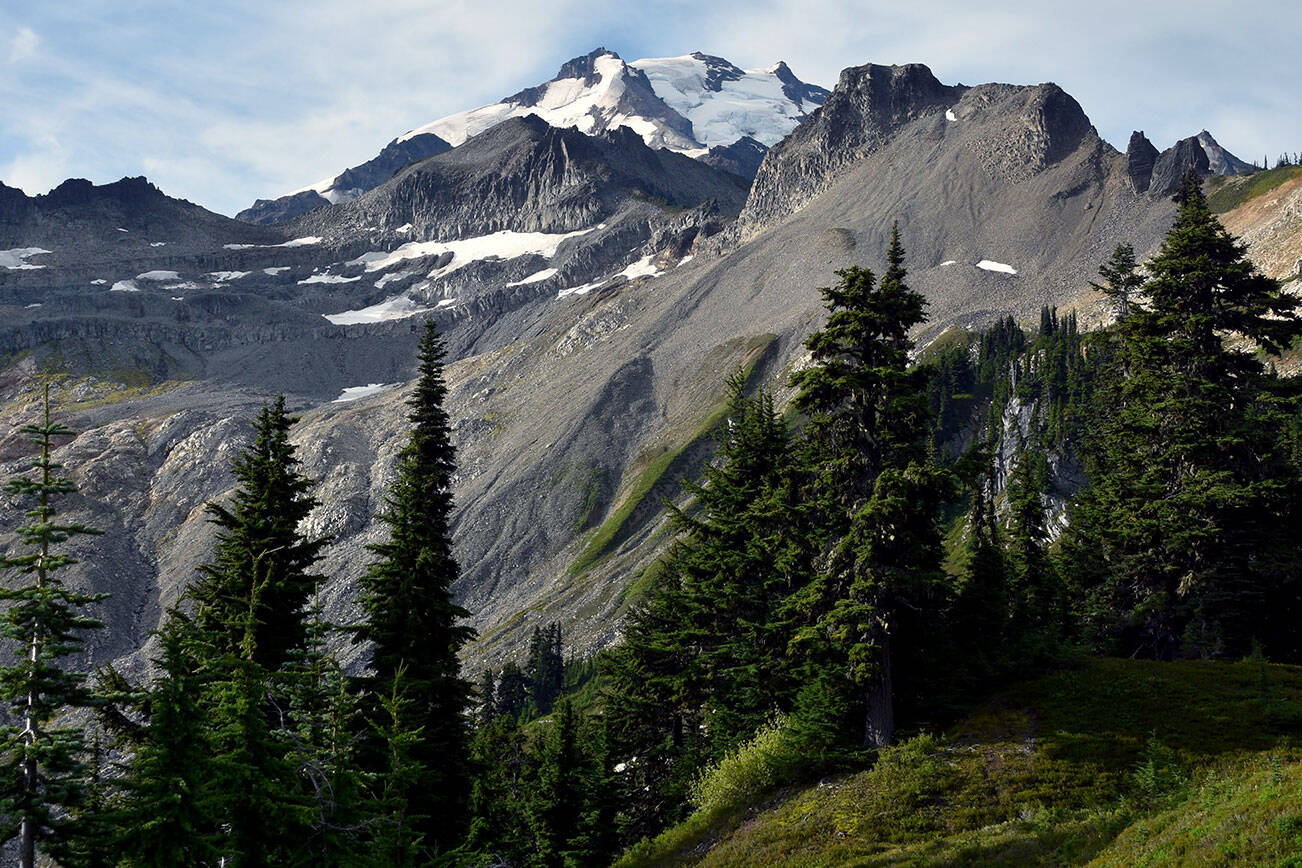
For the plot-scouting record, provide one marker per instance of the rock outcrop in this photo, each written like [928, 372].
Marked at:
[1185, 156]
[1141, 156]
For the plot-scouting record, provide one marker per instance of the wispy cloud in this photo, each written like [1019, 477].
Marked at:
[23, 44]
[221, 103]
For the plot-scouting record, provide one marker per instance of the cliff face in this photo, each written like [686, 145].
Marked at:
[525, 176]
[868, 105]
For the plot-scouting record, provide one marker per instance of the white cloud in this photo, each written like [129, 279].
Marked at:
[23, 44]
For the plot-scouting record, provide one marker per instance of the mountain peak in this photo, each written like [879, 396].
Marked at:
[1221, 161]
[690, 104]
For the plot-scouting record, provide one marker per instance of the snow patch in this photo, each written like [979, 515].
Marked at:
[446, 302]
[222, 276]
[949, 262]
[158, 244]
[390, 278]
[686, 259]
[950, 116]
[99, 281]
[120, 229]
[581, 290]
[641, 268]
[32, 305]
[329, 278]
[502, 245]
[124, 286]
[16, 258]
[297, 242]
[991, 265]
[276, 269]
[403, 229]
[354, 393]
[158, 275]
[398, 307]
[536, 277]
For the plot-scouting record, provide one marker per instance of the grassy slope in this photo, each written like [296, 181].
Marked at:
[1235, 191]
[1046, 775]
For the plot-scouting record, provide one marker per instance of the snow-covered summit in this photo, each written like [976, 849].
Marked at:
[687, 104]
[725, 103]
[593, 94]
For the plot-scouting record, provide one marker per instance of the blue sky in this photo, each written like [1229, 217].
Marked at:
[223, 101]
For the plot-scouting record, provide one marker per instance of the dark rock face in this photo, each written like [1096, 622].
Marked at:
[868, 105]
[13, 204]
[1185, 156]
[717, 71]
[350, 183]
[395, 156]
[83, 223]
[266, 212]
[742, 157]
[526, 176]
[1140, 157]
[797, 90]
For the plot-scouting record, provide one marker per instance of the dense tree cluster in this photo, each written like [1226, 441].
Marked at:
[915, 527]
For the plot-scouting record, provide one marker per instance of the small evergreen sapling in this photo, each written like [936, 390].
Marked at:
[42, 771]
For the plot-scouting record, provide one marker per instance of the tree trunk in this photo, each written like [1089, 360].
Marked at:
[879, 716]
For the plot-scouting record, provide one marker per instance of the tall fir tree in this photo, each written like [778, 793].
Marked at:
[42, 762]
[219, 738]
[546, 667]
[411, 620]
[704, 657]
[1191, 490]
[165, 811]
[866, 444]
[258, 536]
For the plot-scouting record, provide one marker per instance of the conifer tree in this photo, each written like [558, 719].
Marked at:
[265, 817]
[704, 657]
[982, 607]
[1036, 598]
[397, 839]
[557, 808]
[487, 696]
[1122, 280]
[737, 566]
[166, 811]
[259, 535]
[546, 667]
[321, 725]
[498, 826]
[42, 759]
[412, 622]
[512, 691]
[1189, 480]
[867, 436]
